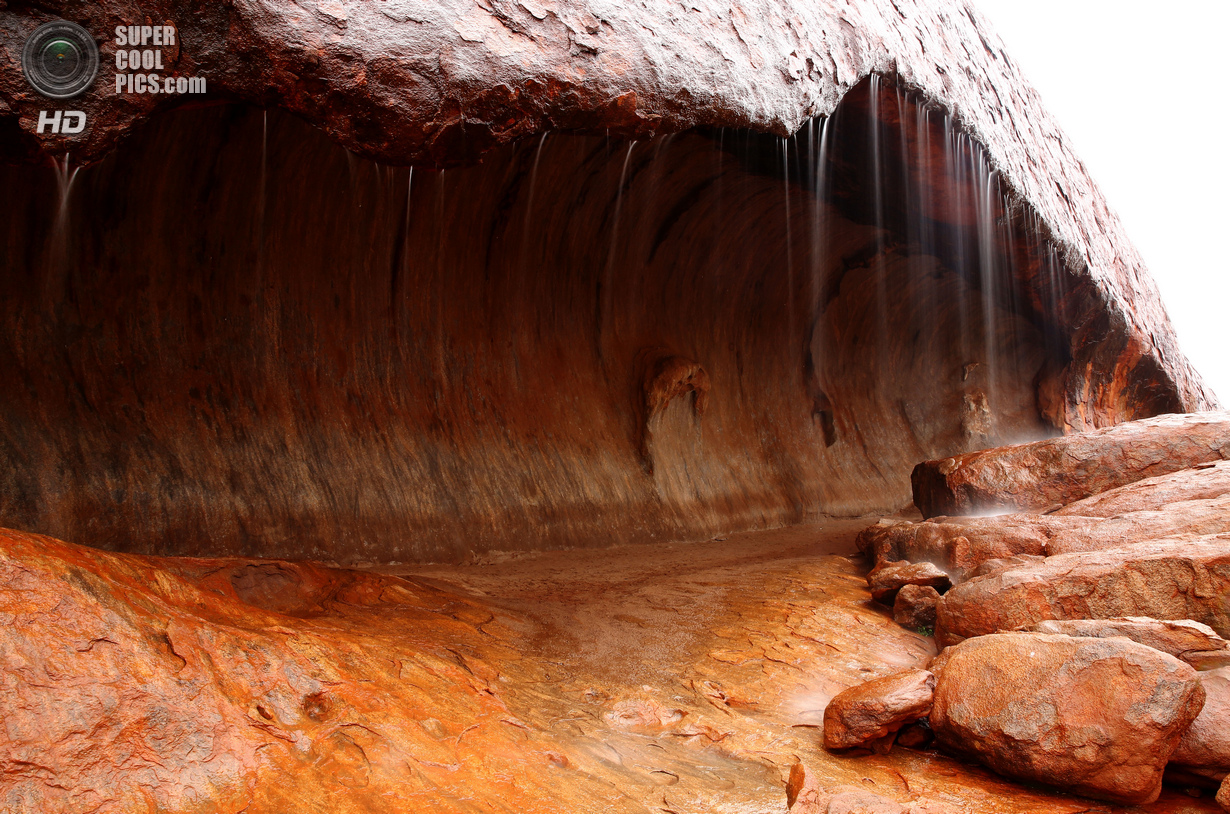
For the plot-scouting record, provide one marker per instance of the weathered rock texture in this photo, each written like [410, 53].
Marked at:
[915, 606]
[885, 580]
[1165, 579]
[868, 712]
[1205, 746]
[1098, 716]
[960, 546]
[1060, 471]
[232, 336]
[1183, 639]
[1203, 482]
[689, 677]
[1223, 794]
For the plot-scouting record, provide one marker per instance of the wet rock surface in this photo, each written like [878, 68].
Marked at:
[1060, 471]
[885, 580]
[691, 678]
[1179, 578]
[915, 606]
[873, 711]
[1203, 482]
[961, 546]
[1204, 749]
[1184, 639]
[1098, 716]
[569, 366]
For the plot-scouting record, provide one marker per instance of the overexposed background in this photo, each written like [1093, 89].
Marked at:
[1139, 89]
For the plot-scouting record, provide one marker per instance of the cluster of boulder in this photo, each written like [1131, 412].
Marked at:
[1082, 630]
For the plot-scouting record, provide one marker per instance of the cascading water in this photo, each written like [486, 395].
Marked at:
[580, 341]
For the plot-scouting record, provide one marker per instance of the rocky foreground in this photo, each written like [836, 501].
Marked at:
[703, 677]
[1083, 646]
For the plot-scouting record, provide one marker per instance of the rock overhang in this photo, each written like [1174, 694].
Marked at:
[453, 84]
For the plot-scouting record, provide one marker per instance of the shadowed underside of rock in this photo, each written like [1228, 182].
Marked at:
[261, 344]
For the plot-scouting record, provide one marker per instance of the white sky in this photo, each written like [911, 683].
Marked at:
[1139, 88]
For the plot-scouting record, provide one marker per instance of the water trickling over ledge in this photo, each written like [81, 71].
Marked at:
[260, 344]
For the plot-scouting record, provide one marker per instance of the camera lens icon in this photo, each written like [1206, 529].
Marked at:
[60, 60]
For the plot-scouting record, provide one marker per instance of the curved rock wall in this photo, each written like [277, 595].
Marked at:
[232, 336]
[257, 343]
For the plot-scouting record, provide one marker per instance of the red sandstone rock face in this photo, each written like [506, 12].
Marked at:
[1203, 482]
[1098, 716]
[299, 329]
[888, 578]
[962, 546]
[1184, 639]
[1205, 747]
[1060, 471]
[915, 606]
[446, 81]
[1180, 578]
[875, 710]
[692, 677]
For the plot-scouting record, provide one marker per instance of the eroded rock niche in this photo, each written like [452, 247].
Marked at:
[233, 337]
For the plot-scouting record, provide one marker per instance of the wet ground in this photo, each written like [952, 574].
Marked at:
[691, 677]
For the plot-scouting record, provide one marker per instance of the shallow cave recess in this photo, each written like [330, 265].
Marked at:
[233, 337]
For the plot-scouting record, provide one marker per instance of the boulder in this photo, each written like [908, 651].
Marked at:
[1204, 749]
[875, 710]
[1223, 796]
[960, 545]
[1201, 482]
[1184, 639]
[914, 607]
[1099, 717]
[1063, 470]
[886, 580]
[1177, 578]
[804, 795]
[1004, 564]
[1190, 517]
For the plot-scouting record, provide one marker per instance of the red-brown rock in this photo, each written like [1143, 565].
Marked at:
[1203, 482]
[914, 607]
[1004, 564]
[1193, 642]
[1069, 468]
[1166, 579]
[391, 412]
[961, 545]
[1099, 717]
[868, 712]
[804, 794]
[1204, 748]
[1223, 795]
[889, 578]
[1188, 518]
[853, 800]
